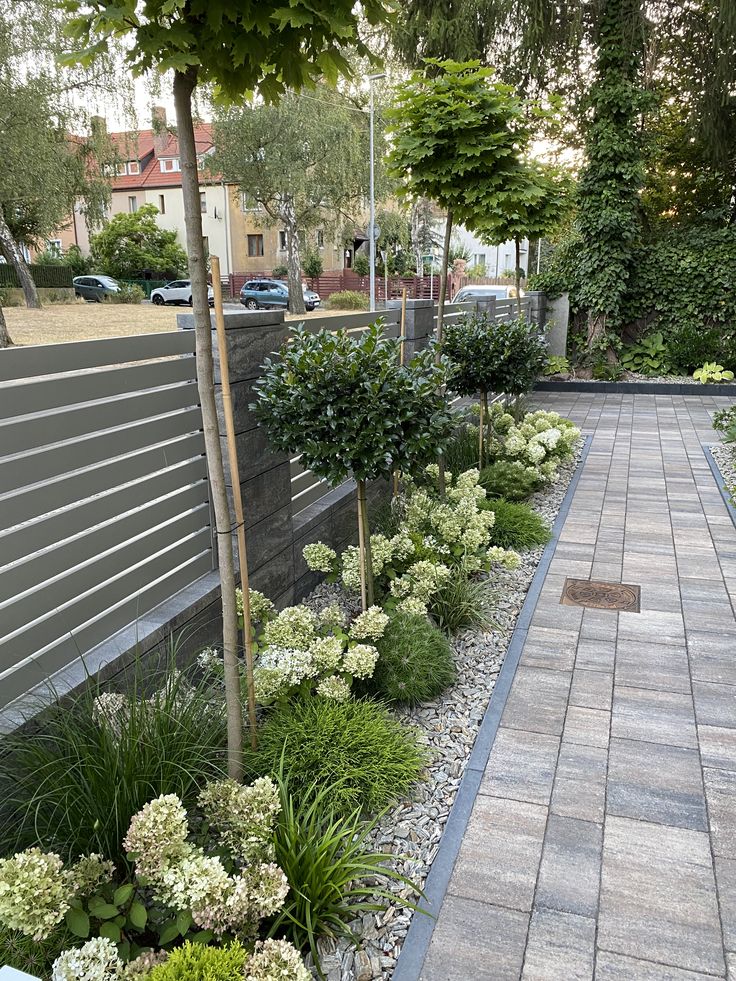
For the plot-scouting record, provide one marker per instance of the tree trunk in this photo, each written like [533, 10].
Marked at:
[482, 427]
[5, 339]
[517, 274]
[12, 254]
[364, 544]
[296, 293]
[184, 84]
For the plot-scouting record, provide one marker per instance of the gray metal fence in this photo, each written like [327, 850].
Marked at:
[104, 508]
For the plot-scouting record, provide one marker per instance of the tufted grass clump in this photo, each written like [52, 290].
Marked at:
[516, 526]
[370, 757]
[510, 479]
[461, 450]
[415, 661]
[463, 603]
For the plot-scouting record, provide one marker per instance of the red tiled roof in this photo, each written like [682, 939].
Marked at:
[144, 145]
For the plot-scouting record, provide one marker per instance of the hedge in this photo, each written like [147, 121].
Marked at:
[45, 277]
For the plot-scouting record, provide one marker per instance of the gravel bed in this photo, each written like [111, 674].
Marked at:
[627, 376]
[447, 726]
[726, 460]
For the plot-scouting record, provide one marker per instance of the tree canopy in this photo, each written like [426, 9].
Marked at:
[133, 246]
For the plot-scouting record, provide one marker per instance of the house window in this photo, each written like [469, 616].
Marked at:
[282, 241]
[134, 167]
[54, 245]
[255, 245]
[162, 204]
[248, 203]
[169, 165]
[320, 238]
[132, 204]
[479, 259]
[121, 170]
[203, 202]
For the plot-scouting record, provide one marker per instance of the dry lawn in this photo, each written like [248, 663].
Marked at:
[84, 321]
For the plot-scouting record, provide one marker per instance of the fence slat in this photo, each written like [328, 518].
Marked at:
[48, 530]
[36, 669]
[350, 321]
[33, 502]
[310, 495]
[48, 359]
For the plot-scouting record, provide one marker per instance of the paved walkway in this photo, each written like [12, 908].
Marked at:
[602, 843]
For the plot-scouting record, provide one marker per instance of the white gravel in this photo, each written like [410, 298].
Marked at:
[725, 457]
[448, 726]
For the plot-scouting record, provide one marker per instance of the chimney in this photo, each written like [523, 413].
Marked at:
[160, 133]
[98, 125]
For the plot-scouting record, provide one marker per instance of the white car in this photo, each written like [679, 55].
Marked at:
[485, 293]
[178, 291]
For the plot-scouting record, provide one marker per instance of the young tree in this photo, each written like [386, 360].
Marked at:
[132, 245]
[236, 46]
[423, 237]
[352, 409]
[303, 160]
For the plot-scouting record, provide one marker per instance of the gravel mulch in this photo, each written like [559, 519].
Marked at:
[448, 726]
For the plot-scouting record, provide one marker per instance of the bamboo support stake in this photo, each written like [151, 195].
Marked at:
[402, 345]
[481, 424]
[232, 450]
[364, 547]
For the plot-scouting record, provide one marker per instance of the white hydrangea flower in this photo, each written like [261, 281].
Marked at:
[89, 873]
[369, 625]
[243, 815]
[334, 687]
[319, 557]
[276, 960]
[412, 606]
[360, 660]
[34, 892]
[294, 627]
[326, 653]
[157, 834]
[331, 617]
[97, 960]
[261, 607]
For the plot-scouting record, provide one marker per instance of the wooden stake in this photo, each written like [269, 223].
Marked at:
[480, 432]
[402, 345]
[227, 404]
[364, 547]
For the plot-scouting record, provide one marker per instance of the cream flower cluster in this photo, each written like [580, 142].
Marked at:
[261, 606]
[242, 815]
[276, 960]
[97, 960]
[319, 557]
[183, 877]
[541, 440]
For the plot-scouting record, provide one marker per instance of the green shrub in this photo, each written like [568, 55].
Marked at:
[35, 957]
[516, 525]
[461, 450]
[509, 479]
[463, 603]
[312, 265]
[326, 860]
[649, 357]
[280, 272]
[73, 784]
[128, 293]
[415, 661]
[356, 745]
[690, 346]
[361, 264]
[195, 962]
[347, 300]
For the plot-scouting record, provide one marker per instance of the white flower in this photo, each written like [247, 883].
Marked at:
[360, 660]
[295, 627]
[97, 960]
[369, 625]
[276, 960]
[319, 557]
[326, 653]
[34, 892]
[334, 687]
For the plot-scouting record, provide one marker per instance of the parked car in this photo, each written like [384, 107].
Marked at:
[485, 293]
[95, 288]
[177, 291]
[261, 294]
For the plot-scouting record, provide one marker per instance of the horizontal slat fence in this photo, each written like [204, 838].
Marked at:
[104, 503]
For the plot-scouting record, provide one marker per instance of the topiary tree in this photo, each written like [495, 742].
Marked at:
[488, 356]
[352, 410]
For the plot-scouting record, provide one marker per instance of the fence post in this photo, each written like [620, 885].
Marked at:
[265, 477]
[487, 305]
[537, 307]
[558, 316]
[419, 324]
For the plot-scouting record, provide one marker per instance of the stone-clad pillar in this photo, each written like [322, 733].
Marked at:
[419, 324]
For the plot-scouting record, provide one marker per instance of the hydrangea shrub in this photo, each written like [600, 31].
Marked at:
[542, 440]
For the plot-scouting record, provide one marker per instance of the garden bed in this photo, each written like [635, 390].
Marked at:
[650, 386]
[448, 726]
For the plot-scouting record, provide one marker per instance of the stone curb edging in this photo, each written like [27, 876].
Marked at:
[415, 946]
[638, 388]
[721, 481]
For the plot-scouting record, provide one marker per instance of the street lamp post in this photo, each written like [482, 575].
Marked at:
[372, 221]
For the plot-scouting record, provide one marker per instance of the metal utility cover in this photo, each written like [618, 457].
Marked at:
[602, 595]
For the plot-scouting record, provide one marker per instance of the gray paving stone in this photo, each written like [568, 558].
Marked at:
[664, 668]
[537, 700]
[726, 882]
[718, 746]
[476, 940]
[521, 766]
[580, 784]
[712, 657]
[570, 871]
[500, 853]
[587, 725]
[651, 626]
[658, 898]
[720, 791]
[597, 654]
[656, 783]
[592, 689]
[614, 967]
[653, 716]
[560, 945]
[715, 705]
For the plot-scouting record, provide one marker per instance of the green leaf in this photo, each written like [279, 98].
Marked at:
[78, 922]
[102, 910]
[138, 915]
[169, 931]
[111, 931]
[122, 894]
[183, 922]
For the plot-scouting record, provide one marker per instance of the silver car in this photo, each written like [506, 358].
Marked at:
[485, 293]
[178, 291]
[95, 288]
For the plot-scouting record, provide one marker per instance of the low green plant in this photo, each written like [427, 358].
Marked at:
[516, 526]
[510, 479]
[28, 954]
[463, 603]
[312, 265]
[461, 450]
[649, 357]
[347, 300]
[361, 264]
[712, 372]
[280, 272]
[128, 293]
[74, 783]
[692, 345]
[369, 756]
[556, 365]
[724, 421]
[195, 962]
[605, 370]
[331, 869]
[415, 661]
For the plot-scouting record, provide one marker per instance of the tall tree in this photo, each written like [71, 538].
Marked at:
[236, 46]
[303, 160]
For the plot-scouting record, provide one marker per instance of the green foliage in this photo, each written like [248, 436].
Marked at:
[128, 293]
[35, 957]
[347, 300]
[132, 245]
[348, 406]
[606, 370]
[332, 870]
[361, 264]
[367, 756]
[195, 962]
[487, 355]
[463, 603]
[517, 526]
[461, 450]
[415, 662]
[279, 272]
[649, 357]
[556, 365]
[74, 784]
[691, 346]
[509, 479]
[312, 265]
[712, 372]
[724, 421]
